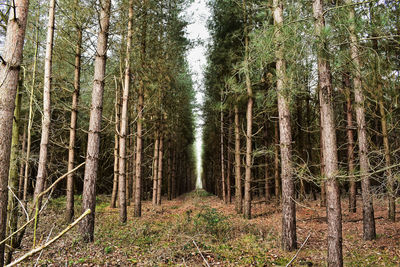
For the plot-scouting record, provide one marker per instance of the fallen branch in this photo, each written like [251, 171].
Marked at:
[357, 220]
[40, 248]
[201, 254]
[44, 192]
[297, 253]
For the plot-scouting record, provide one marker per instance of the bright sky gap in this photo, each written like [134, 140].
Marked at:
[197, 32]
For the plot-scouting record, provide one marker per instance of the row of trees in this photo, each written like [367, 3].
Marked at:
[283, 81]
[124, 60]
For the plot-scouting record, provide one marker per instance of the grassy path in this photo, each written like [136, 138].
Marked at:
[168, 235]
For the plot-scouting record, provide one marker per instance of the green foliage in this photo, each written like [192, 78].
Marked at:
[210, 221]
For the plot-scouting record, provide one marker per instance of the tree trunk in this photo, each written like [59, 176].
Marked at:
[350, 145]
[329, 147]
[276, 165]
[22, 164]
[169, 184]
[138, 190]
[160, 169]
[31, 113]
[124, 122]
[173, 175]
[289, 238]
[74, 114]
[13, 175]
[155, 167]
[116, 146]
[229, 166]
[368, 208]
[266, 168]
[238, 177]
[249, 120]
[9, 73]
[92, 155]
[46, 119]
[222, 149]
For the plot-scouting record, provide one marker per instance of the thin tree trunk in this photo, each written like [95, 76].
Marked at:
[46, 119]
[92, 155]
[322, 161]
[238, 177]
[31, 113]
[9, 74]
[160, 169]
[368, 208]
[173, 174]
[289, 238]
[124, 122]
[138, 185]
[249, 120]
[13, 175]
[266, 168]
[74, 115]
[229, 165]
[276, 164]
[329, 146]
[116, 146]
[222, 149]
[169, 184]
[155, 167]
[350, 145]
[22, 164]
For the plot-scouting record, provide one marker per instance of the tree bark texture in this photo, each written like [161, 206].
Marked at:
[46, 119]
[9, 73]
[368, 208]
[289, 238]
[92, 155]
[238, 177]
[328, 146]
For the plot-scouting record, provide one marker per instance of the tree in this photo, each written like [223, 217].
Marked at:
[124, 121]
[368, 209]
[289, 238]
[328, 146]
[9, 74]
[46, 119]
[92, 156]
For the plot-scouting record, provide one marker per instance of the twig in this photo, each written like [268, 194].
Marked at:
[297, 253]
[47, 239]
[208, 265]
[38, 249]
[19, 201]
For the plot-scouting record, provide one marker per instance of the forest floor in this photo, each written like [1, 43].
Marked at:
[183, 231]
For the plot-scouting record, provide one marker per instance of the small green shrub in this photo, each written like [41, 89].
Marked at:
[209, 220]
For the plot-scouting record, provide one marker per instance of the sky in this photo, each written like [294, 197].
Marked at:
[197, 15]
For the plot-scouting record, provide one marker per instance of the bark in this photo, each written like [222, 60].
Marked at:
[9, 73]
[329, 147]
[13, 176]
[173, 175]
[155, 168]
[92, 155]
[289, 238]
[124, 122]
[350, 145]
[266, 168]
[386, 146]
[74, 115]
[44, 141]
[169, 182]
[368, 208]
[116, 146]
[222, 150]
[249, 120]
[160, 169]
[138, 186]
[322, 168]
[229, 165]
[276, 164]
